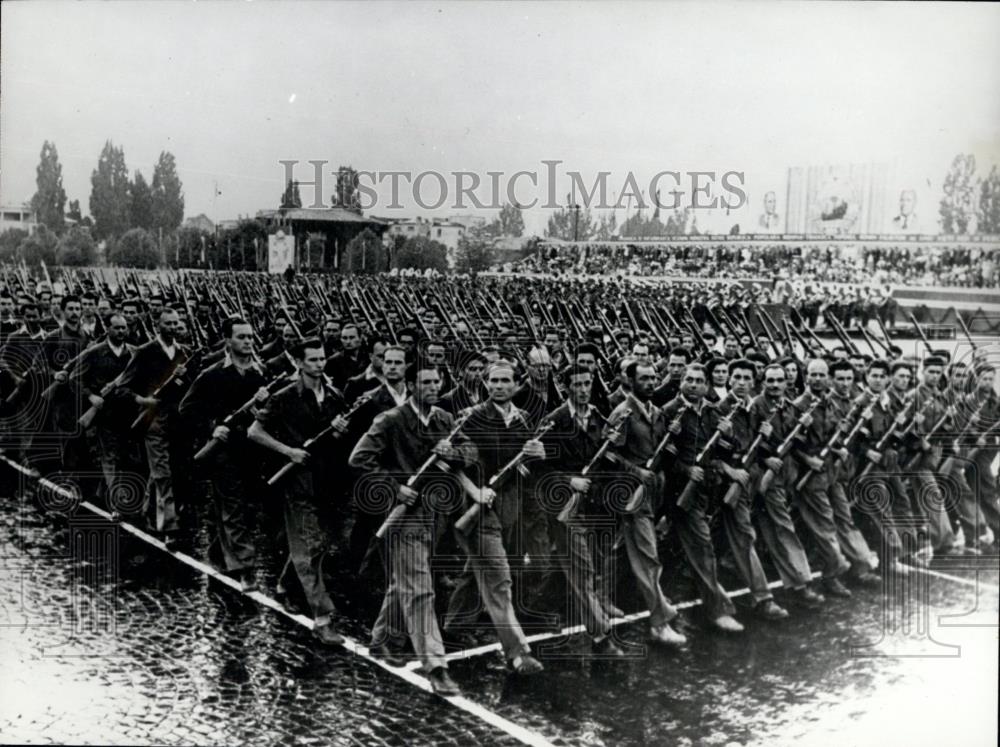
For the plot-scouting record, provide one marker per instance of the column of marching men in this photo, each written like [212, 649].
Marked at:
[510, 473]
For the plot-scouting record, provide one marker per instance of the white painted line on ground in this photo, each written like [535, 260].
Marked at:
[526, 736]
[974, 582]
[630, 618]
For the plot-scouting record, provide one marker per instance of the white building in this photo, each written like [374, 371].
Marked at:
[17, 216]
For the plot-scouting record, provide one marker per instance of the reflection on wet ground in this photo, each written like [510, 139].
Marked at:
[139, 649]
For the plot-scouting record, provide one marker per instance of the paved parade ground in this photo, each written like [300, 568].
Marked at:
[108, 639]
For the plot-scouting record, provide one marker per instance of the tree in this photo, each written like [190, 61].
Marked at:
[136, 248]
[168, 198]
[365, 254]
[73, 212]
[421, 253]
[291, 198]
[347, 190]
[49, 201]
[10, 240]
[511, 220]
[187, 244]
[76, 248]
[109, 187]
[571, 224]
[140, 203]
[607, 227]
[39, 247]
[475, 254]
[958, 205]
[989, 203]
[238, 245]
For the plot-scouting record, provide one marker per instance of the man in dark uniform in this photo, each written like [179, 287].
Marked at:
[637, 427]
[470, 391]
[813, 501]
[694, 421]
[222, 389]
[736, 514]
[59, 350]
[289, 419]
[350, 361]
[499, 431]
[155, 378]
[575, 438]
[95, 376]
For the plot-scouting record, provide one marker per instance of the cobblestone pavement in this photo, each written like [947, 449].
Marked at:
[137, 648]
[171, 658]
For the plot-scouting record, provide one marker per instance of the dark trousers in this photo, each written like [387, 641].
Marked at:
[308, 547]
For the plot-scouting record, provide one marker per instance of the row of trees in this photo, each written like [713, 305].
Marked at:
[367, 254]
[117, 203]
[970, 204]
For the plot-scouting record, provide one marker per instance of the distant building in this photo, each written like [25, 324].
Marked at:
[469, 221]
[447, 233]
[17, 216]
[202, 222]
[409, 228]
[320, 236]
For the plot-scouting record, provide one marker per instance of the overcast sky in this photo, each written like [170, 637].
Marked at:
[231, 88]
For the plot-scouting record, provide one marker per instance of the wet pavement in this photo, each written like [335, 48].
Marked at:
[105, 641]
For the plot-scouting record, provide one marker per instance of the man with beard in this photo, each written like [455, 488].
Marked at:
[222, 389]
[470, 390]
[290, 418]
[395, 446]
[637, 427]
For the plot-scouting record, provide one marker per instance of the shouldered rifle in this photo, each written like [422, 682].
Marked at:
[889, 433]
[965, 329]
[64, 370]
[572, 505]
[920, 331]
[956, 444]
[926, 438]
[831, 444]
[290, 465]
[733, 492]
[146, 416]
[400, 509]
[664, 445]
[88, 416]
[768, 477]
[468, 519]
[691, 487]
[281, 383]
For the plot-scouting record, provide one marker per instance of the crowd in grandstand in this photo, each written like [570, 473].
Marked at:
[964, 266]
